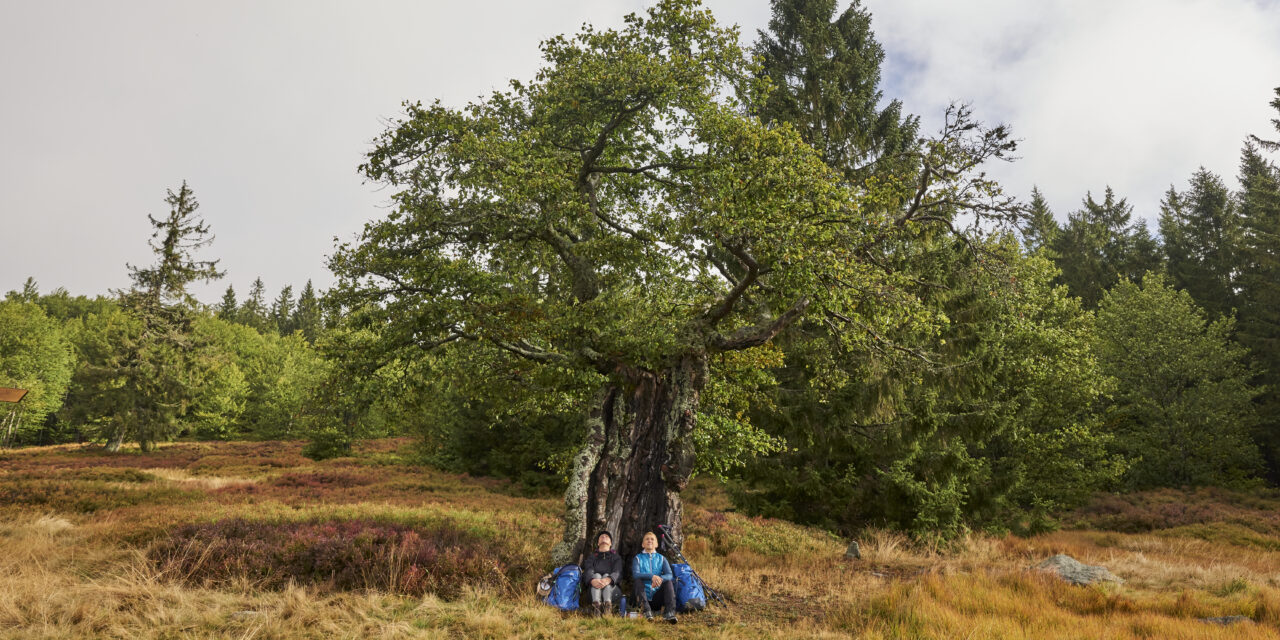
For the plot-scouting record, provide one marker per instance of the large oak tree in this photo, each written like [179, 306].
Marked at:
[624, 220]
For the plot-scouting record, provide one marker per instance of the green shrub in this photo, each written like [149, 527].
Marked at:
[327, 443]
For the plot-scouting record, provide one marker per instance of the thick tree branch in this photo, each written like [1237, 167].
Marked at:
[725, 306]
[645, 169]
[749, 337]
[592, 154]
[525, 349]
[612, 224]
[720, 267]
[530, 351]
[586, 286]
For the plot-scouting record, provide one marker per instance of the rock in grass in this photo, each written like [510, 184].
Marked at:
[853, 551]
[1075, 572]
[1227, 621]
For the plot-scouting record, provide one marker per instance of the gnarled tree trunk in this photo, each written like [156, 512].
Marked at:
[636, 460]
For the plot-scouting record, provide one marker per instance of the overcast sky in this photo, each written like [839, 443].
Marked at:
[266, 107]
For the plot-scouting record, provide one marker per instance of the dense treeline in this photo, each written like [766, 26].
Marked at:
[991, 376]
[150, 364]
[228, 379]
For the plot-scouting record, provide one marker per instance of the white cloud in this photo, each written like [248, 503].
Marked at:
[267, 107]
[1132, 93]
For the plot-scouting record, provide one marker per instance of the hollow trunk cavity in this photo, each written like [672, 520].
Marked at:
[636, 460]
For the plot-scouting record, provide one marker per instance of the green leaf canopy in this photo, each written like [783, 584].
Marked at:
[624, 209]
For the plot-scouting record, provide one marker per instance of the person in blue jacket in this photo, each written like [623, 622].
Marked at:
[651, 580]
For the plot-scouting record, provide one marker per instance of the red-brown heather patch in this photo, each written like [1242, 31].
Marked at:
[195, 456]
[324, 480]
[340, 556]
[89, 496]
[1168, 508]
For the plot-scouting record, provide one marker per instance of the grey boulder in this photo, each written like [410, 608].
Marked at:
[853, 552]
[1227, 621]
[1075, 572]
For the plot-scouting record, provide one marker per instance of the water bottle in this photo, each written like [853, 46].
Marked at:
[622, 606]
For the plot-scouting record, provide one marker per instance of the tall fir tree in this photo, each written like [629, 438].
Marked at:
[228, 309]
[1040, 229]
[1271, 145]
[157, 367]
[1145, 252]
[253, 312]
[1100, 246]
[1259, 282]
[282, 312]
[1201, 230]
[826, 75]
[307, 315]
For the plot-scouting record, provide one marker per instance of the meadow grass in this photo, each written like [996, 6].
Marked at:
[251, 540]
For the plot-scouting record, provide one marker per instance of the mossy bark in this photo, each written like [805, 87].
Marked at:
[637, 457]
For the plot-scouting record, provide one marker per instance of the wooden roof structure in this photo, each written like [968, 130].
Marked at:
[12, 395]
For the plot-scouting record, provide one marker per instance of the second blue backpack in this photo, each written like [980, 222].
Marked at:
[565, 589]
[689, 593]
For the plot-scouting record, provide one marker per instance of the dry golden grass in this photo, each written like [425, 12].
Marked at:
[204, 482]
[77, 566]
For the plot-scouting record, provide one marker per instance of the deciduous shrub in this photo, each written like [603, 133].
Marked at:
[328, 443]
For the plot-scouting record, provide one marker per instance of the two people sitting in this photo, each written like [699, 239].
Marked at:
[651, 577]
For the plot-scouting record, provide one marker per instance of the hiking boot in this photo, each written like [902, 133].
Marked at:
[669, 616]
[648, 613]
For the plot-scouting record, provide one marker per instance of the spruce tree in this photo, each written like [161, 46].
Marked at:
[158, 364]
[1271, 145]
[826, 76]
[282, 312]
[228, 309]
[1099, 246]
[1144, 252]
[1201, 230]
[253, 312]
[1039, 230]
[30, 292]
[1259, 282]
[851, 466]
[307, 315]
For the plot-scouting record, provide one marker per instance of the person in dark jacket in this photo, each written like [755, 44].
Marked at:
[601, 571]
[651, 580]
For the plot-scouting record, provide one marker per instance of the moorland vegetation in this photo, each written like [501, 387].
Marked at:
[254, 540]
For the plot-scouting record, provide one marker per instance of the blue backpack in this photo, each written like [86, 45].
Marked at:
[689, 593]
[565, 588]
